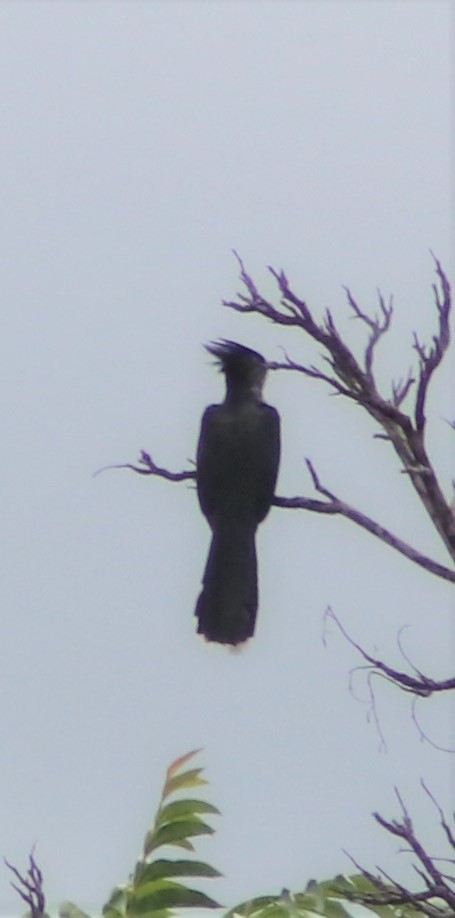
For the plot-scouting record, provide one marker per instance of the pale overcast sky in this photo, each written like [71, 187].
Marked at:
[141, 142]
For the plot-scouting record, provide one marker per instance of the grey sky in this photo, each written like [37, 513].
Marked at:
[141, 142]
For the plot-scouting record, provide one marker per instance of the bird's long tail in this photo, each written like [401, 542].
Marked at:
[227, 606]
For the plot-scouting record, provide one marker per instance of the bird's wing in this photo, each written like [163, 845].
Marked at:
[237, 461]
[267, 461]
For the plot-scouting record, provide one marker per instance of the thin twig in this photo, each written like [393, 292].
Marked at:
[30, 886]
[401, 388]
[448, 832]
[430, 358]
[423, 735]
[377, 327]
[422, 686]
[148, 467]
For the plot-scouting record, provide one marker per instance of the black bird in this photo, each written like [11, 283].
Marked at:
[237, 466]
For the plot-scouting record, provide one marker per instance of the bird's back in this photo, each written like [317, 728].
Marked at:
[237, 460]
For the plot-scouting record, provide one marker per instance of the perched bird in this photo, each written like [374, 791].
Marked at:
[237, 466]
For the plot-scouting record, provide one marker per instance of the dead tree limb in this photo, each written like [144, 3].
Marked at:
[332, 506]
[437, 898]
[355, 381]
[146, 466]
[30, 887]
[417, 684]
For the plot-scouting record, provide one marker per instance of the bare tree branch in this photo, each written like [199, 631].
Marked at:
[332, 506]
[377, 326]
[391, 893]
[401, 389]
[439, 896]
[448, 832]
[147, 466]
[423, 734]
[348, 378]
[30, 887]
[335, 505]
[419, 684]
[405, 830]
[430, 358]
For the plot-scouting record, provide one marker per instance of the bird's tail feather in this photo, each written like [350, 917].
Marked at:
[227, 606]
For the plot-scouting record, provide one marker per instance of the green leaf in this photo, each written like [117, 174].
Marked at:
[117, 902]
[164, 868]
[313, 898]
[182, 808]
[334, 910]
[176, 765]
[165, 894]
[152, 893]
[361, 883]
[176, 833]
[300, 905]
[112, 912]
[275, 910]
[156, 913]
[70, 910]
[251, 907]
[186, 779]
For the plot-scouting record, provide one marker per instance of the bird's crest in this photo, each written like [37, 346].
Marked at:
[230, 353]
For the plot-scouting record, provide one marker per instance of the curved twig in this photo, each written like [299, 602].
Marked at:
[148, 467]
[422, 685]
[424, 736]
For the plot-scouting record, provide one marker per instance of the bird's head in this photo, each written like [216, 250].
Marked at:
[245, 369]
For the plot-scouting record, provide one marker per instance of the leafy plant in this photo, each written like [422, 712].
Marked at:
[153, 889]
[330, 898]
[154, 892]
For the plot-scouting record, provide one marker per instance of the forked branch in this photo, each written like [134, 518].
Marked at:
[431, 357]
[416, 684]
[437, 898]
[146, 466]
[30, 887]
[356, 381]
[332, 506]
